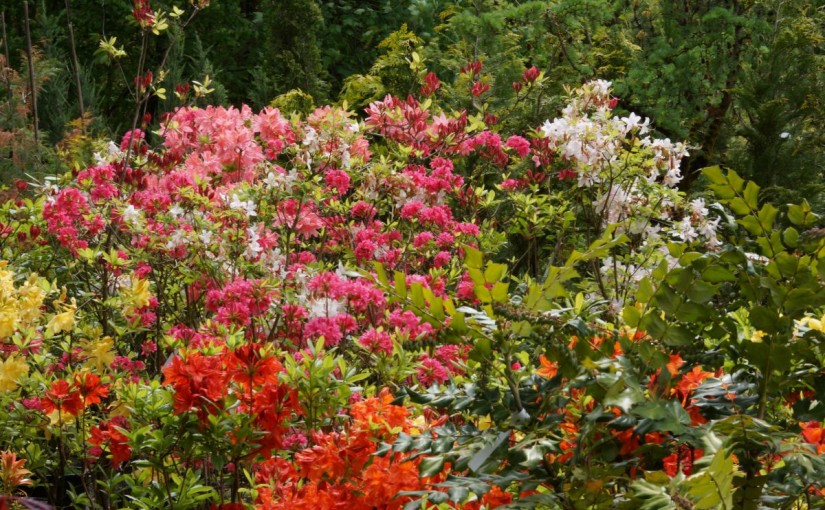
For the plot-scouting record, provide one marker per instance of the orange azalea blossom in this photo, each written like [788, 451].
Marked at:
[61, 398]
[107, 436]
[813, 434]
[12, 472]
[377, 414]
[630, 441]
[597, 341]
[275, 478]
[91, 390]
[248, 367]
[570, 432]
[682, 460]
[383, 480]
[691, 380]
[685, 387]
[549, 369]
[495, 498]
[334, 455]
[199, 382]
[674, 364]
[273, 405]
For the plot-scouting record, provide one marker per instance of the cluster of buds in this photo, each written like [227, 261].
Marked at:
[142, 82]
[182, 90]
[143, 14]
[431, 84]
[529, 76]
[473, 68]
[480, 88]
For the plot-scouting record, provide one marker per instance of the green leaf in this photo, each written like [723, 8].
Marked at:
[481, 457]
[751, 224]
[717, 274]
[751, 195]
[458, 493]
[431, 466]
[715, 175]
[801, 215]
[692, 312]
[653, 496]
[736, 182]
[713, 487]
[739, 206]
[381, 273]
[400, 285]
[667, 299]
[678, 335]
[645, 290]
[702, 292]
[494, 272]
[482, 350]
[631, 315]
[472, 257]
[663, 416]
[499, 292]
[791, 237]
[417, 294]
[435, 303]
[764, 318]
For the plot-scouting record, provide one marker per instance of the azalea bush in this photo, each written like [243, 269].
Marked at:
[407, 307]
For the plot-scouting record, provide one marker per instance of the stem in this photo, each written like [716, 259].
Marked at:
[76, 66]
[31, 73]
[7, 65]
[142, 100]
[763, 387]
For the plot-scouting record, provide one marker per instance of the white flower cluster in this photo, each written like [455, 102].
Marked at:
[631, 175]
[630, 180]
[592, 139]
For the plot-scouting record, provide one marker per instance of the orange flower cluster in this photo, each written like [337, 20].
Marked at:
[71, 399]
[340, 471]
[200, 383]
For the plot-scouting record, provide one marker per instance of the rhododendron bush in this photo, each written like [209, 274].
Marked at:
[407, 307]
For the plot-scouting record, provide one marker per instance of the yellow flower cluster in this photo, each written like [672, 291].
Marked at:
[135, 296]
[810, 323]
[63, 321]
[19, 306]
[11, 371]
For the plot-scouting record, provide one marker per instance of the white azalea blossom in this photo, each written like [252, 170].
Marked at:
[247, 206]
[131, 215]
[630, 180]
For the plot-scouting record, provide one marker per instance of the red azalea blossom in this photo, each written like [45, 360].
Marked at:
[62, 398]
[199, 382]
[90, 388]
[107, 436]
[682, 460]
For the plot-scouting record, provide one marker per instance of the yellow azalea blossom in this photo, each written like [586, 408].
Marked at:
[58, 419]
[100, 353]
[758, 336]
[9, 315]
[63, 321]
[11, 371]
[419, 424]
[118, 408]
[135, 296]
[6, 280]
[484, 422]
[31, 297]
[812, 323]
